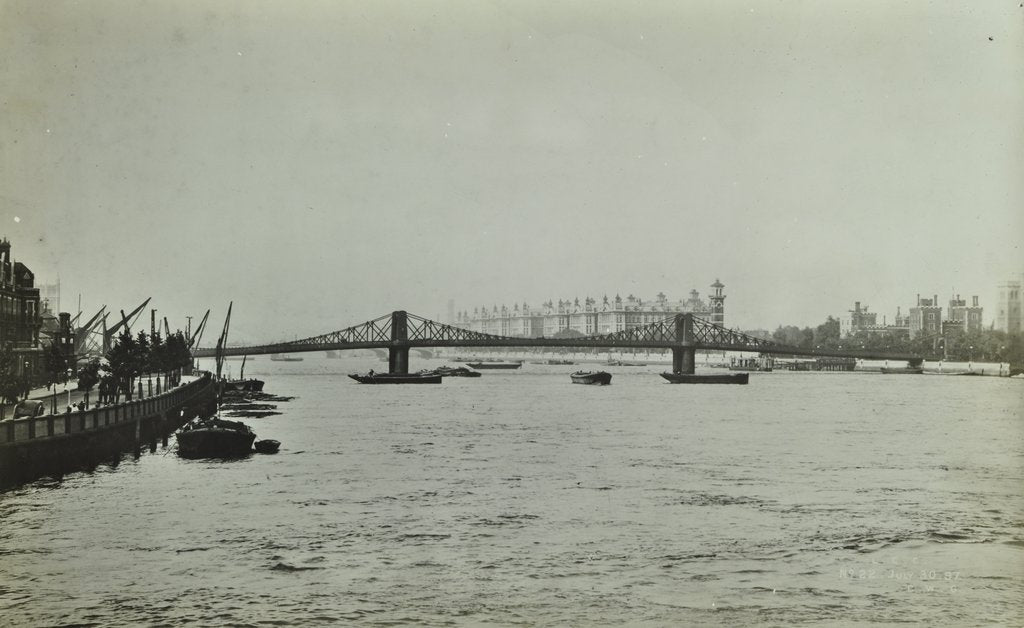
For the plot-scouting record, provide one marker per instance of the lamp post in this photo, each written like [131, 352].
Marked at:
[25, 373]
[66, 389]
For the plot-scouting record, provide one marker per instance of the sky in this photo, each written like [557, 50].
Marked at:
[324, 163]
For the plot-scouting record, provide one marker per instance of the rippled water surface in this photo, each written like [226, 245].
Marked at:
[521, 499]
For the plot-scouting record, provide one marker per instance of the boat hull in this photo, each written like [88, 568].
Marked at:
[243, 385]
[397, 378]
[494, 365]
[596, 378]
[453, 372]
[267, 446]
[214, 442]
[688, 378]
[909, 370]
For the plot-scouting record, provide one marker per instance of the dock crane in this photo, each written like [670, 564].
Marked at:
[84, 333]
[126, 321]
[193, 340]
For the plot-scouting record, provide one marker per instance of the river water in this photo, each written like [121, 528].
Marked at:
[521, 499]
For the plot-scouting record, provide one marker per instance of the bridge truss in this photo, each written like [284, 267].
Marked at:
[400, 330]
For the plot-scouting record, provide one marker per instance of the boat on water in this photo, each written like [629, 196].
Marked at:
[599, 378]
[214, 438]
[560, 362]
[267, 446]
[333, 354]
[242, 385]
[494, 365]
[906, 370]
[718, 378]
[456, 371]
[283, 357]
[397, 378]
[625, 363]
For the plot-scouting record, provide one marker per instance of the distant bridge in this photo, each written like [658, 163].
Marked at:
[684, 334]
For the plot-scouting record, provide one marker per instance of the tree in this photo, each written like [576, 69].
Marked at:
[827, 334]
[156, 360]
[55, 365]
[178, 354]
[88, 377]
[12, 384]
[126, 360]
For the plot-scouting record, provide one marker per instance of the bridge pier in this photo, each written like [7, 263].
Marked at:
[684, 360]
[398, 360]
[684, 357]
[398, 353]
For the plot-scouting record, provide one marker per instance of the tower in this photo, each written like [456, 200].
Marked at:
[717, 303]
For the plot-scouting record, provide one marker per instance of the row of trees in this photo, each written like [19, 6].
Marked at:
[129, 358]
[133, 356]
[987, 345]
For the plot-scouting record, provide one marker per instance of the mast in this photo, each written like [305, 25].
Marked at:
[222, 341]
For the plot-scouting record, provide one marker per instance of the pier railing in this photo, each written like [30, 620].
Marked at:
[13, 431]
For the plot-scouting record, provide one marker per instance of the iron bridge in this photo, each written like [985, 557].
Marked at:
[684, 334]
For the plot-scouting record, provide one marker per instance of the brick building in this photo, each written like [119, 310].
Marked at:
[20, 312]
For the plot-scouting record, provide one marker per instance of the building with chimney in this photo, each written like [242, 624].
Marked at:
[962, 317]
[589, 317]
[857, 320]
[925, 318]
[20, 313]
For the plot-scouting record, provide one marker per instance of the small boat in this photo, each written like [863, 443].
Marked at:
[560, 362]
[906, 370]
[599, 378]
[494, 365]
[281, 357]
[689, 378]
[214, 438]
[397, 378]
[457, 371]
[624, 363]
[267, 446]
[333, 354]
[243, 385]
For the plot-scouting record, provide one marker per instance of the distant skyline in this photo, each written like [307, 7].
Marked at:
[323, 163]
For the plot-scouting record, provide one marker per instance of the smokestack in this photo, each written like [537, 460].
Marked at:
[856, 306]
[975, 301]
[935, 299]
[918, 299]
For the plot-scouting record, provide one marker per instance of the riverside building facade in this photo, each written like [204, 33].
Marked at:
[20, 313]
[571, 317]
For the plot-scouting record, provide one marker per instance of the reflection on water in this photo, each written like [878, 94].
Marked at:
[519, 498]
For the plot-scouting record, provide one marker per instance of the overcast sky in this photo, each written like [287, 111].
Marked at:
[323, 163]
